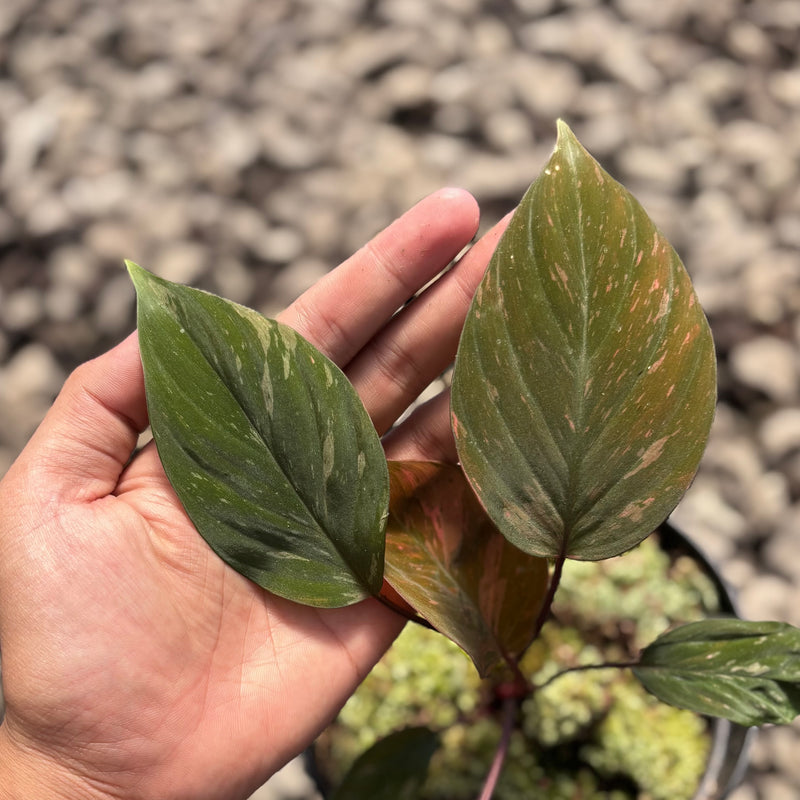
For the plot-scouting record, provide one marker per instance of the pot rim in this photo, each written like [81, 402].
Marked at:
[730, 743]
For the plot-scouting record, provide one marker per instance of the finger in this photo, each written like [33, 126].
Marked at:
[82, 445]
[425, 434]
[345, 309]
[421, 341]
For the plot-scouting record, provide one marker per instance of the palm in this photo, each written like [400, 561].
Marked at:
[134, 655]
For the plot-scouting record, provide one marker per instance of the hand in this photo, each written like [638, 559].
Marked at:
[136, 664]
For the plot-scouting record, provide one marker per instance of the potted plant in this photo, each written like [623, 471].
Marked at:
[596, 733]
[582, 395]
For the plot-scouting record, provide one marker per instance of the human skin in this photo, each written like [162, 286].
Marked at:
[136, 664]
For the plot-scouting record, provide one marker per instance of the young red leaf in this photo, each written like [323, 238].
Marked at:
[445, 557]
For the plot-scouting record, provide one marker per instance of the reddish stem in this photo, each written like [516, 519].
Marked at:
[510, 706]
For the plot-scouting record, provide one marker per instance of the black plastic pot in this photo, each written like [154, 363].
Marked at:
[728, 759]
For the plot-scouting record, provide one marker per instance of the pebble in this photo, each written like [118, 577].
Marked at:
[768, 364]
[180, 262]
[744, 793]
[22, 309]
[780, 551]
[29, 381]
[784, 744]
[290, 783]
[765, 597]
[779, 434]
[775, 787]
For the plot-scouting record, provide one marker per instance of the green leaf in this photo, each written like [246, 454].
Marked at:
[392, 769]
[584, 385]
[266, 444]
[747, 672]
[446, 558]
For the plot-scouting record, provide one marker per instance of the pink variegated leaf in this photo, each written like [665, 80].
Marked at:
[584, 385]
[445, 557]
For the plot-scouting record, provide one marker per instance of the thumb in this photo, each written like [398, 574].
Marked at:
[87, 437]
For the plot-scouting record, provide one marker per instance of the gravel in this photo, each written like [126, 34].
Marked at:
[247, 147]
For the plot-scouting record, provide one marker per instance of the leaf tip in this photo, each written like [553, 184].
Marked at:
[566, 140]
[137, 274]
[565, 136]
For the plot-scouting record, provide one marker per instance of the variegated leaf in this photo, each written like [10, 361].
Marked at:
[266, 444]
[584, 385]
[446, 559]
[747, 672]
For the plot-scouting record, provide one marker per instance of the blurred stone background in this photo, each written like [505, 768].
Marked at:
[247, 147]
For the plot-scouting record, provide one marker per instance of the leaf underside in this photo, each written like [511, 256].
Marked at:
[584, 385]
[445, 557]
[747, 672]
[266, 443]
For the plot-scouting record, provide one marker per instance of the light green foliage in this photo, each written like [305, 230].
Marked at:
[578, 734]
[633, 588]
[425, 679]
[642, 737]
[568, 708]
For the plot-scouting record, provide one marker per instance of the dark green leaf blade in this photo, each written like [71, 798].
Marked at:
[446, 558]
[266, 443]
[584, 385]
[747, 672]
[392, 769]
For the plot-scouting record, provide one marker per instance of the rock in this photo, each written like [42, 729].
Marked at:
[749, 43]
[784, 744]
[779, 434]
[778, 788]
[546, 87]
[743, 793]
[181, 262]
[288, 286]
[28, 383]
[652, 165]
[771, 286]
[21, 309]
[768, 364]
[62, 302]
[234, 281]
[784, 86]
[290, 783]
[114, 313]
[710, 521]
[508, 131]
[782, 550]
[97, 195]
[765, 597]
